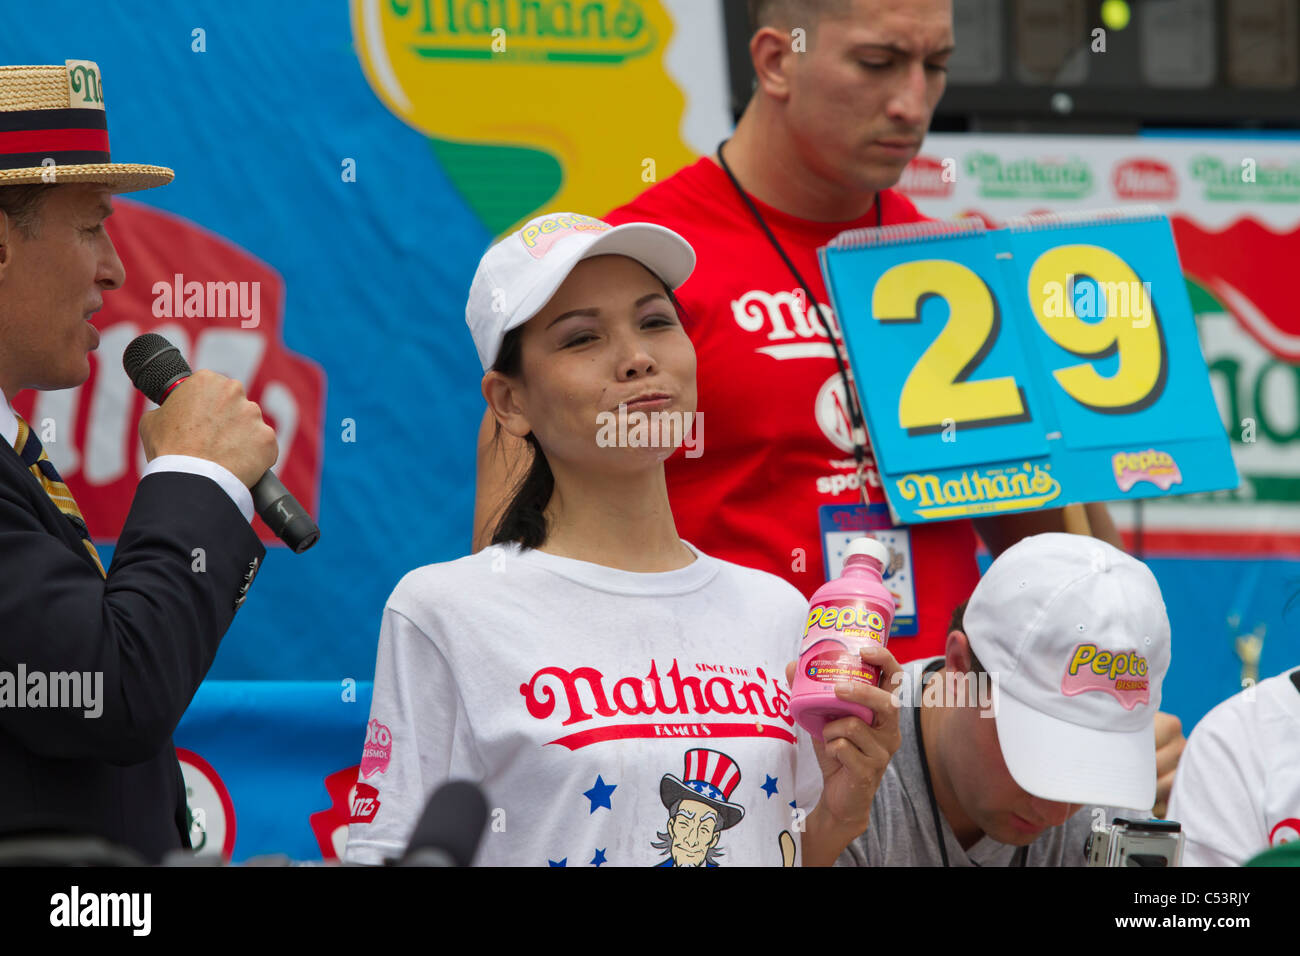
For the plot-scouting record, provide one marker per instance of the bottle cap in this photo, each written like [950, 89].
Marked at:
[871, 547]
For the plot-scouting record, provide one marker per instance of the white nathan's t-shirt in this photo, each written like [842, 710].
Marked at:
[1237, 789]
[590, 703]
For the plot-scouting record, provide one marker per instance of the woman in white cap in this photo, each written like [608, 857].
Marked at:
[587, 657]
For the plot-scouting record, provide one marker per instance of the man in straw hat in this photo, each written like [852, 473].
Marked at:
[98, 665]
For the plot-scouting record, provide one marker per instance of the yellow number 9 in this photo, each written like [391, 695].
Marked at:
[1129, 327]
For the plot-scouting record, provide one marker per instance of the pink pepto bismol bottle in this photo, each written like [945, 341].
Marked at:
[844, 615]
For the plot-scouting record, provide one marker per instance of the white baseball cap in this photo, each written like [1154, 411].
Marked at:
[1075, 634]
[518, 275]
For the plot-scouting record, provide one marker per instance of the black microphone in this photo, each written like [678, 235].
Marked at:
[155, 367]
[450, 827]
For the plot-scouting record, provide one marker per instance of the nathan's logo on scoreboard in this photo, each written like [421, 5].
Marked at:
[1247, 179]
[928, 178]
[598, 32]
[1143, 178]
[1028, 178]
[980, 491]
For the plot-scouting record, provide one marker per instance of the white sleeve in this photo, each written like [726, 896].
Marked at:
[417, 710]
[1214, 792]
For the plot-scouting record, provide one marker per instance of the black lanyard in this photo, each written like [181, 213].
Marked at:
[850, 396]
[1021, 854]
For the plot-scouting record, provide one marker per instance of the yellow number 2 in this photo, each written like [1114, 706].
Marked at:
[1127, 325]
[937, 387]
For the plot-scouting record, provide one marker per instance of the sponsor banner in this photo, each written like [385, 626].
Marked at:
[272, 767]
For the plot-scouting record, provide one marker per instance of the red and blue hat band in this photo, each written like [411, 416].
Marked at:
[68, 136]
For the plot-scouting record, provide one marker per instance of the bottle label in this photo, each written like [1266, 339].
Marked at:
[834, 665]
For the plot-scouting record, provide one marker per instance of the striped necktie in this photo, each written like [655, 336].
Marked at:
[33, 455]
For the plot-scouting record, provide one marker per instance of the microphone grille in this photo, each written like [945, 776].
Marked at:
[152, 363]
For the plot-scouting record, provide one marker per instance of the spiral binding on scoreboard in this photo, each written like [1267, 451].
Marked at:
[906, 232]
[1084, 217]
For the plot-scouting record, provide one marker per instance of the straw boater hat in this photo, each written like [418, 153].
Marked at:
[53, 129]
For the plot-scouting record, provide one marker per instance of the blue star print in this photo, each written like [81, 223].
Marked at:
[598, 859]
[769, 787]
[599, 794]
[564, 862]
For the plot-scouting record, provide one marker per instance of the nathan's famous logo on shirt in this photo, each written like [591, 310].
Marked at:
[1121, 674]
[686, 700]
[378, 749]
[1157, 467]
[538, 237]
[979, 491]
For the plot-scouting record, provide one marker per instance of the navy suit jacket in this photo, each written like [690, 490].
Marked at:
[152, 629]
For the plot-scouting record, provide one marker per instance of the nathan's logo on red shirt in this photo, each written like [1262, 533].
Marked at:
[1145, 179]
[928, 177]
[791, 327]
[97, 448]
[586, 694]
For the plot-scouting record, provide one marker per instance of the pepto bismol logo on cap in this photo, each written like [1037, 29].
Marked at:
[1121, 674]
[541, 234]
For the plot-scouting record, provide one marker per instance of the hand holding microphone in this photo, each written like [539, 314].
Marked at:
[206, 415]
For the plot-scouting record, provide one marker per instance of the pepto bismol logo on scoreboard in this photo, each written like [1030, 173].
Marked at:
[593, 32]
[1029, 178]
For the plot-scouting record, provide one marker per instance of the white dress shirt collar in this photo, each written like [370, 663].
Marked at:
[8, 423]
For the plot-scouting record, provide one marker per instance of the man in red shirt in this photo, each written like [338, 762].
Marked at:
[826, 134]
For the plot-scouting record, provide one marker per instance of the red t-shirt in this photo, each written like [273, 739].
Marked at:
[777, 440]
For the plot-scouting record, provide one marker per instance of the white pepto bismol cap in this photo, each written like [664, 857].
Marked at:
[1076, 636]
[869, 546]
[518, 275]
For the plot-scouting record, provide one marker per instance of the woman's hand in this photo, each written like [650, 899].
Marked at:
[853, 756]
